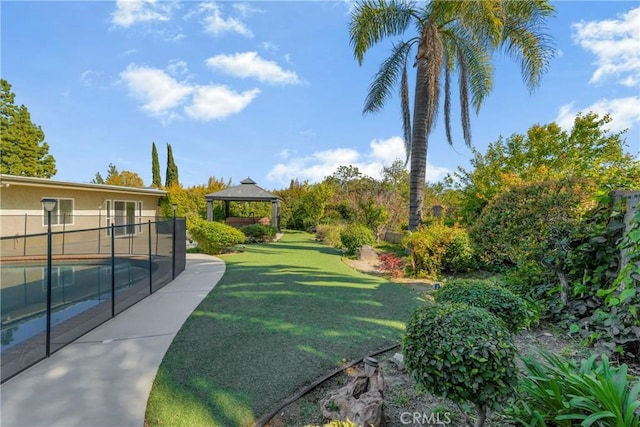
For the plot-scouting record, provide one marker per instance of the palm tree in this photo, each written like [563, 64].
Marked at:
[452, 36]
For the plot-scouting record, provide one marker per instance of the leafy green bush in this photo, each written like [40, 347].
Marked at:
[437, 247]
[501, 302]
[526, 279]
[537, 222]
[557, 392]
[213, 237]
[330, 234]
[258, 232]
[461, 352]
[353, 237]
[459, 254]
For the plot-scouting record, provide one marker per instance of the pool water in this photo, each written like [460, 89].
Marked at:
[75, 288]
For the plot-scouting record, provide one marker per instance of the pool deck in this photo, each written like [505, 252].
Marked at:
[103, 379]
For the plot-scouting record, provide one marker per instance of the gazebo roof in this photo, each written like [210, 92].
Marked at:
[247, 191]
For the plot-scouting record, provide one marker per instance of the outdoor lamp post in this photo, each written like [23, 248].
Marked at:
[175, 208]
[48, 205]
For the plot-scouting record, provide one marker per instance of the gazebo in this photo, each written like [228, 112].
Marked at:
[247, 191]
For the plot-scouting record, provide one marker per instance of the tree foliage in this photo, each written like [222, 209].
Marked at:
[123, 179]
[547, 152]
[23, 150]
[171, 176]
[156, 179]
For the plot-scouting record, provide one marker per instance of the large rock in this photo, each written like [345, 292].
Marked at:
[366, 253]
[360, 401]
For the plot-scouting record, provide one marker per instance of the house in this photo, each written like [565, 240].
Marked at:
[79, 206]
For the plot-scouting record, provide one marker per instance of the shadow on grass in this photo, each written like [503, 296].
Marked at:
[282, 316]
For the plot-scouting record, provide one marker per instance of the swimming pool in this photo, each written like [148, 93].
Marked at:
[76, 286]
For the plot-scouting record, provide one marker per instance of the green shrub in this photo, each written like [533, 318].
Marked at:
[259, 232]
[501, 302]
[461, 352]
[330, 234]
[437, 247]
[353, 237]
[527, 278]
[459, 253]
[557, 392]
[213, 237]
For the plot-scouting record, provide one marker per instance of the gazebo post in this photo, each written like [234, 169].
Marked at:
[226, 209]
[209, 210]
[274, 214]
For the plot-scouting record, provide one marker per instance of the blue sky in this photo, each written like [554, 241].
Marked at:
[271, 90]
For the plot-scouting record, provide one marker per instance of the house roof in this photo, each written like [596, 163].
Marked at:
[247, 191]
[8, 180]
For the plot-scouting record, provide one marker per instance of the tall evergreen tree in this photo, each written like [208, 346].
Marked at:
[172, 170]
[23, 150]
[155, 168]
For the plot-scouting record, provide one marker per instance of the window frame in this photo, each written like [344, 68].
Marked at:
[55, 214]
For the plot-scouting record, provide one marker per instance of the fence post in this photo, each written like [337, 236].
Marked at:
[113, 270]
[49, 269]
[64, 228]
[150, 262]
[173, 243]
[24, 249]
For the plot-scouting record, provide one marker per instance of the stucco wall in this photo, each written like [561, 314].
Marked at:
[21, 209]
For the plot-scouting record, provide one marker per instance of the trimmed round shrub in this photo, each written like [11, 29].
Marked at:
[461, 352]
[501, 302]
[213, 237]
[353, 237]
[259, 232]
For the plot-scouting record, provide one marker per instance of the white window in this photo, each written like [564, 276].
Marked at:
[124, 217]
[62, 213]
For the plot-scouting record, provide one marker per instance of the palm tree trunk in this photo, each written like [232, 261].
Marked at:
[419, 145]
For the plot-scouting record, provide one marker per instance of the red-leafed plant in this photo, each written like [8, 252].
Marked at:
[391, 264]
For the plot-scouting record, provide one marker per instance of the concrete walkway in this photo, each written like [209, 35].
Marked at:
[104, 378]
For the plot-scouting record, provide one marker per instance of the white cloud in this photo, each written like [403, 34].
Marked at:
[615, 43]
[249, 64]
[160, 92]
[178, 68]
[246, 9]
[625, 113]
[321, 164]
[163, 95]
[129, 12]
[218, 102]
[215, 23]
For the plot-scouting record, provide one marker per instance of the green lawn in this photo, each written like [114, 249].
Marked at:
[283, 315]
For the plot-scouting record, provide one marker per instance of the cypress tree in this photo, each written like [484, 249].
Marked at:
[24, 150]
[155, 168]
[172, 170]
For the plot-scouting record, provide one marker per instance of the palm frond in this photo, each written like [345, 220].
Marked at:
[464, 97]
[374, 20]
[525, 40]
[386, 77]
[406, 112]
[447, 102]
[478, 61]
